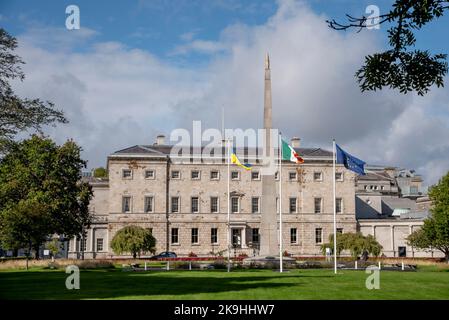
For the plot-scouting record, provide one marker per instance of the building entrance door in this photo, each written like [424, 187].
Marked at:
[237, 238]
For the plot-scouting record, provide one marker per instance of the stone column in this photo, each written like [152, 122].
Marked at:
[392, 241]
[268, 224]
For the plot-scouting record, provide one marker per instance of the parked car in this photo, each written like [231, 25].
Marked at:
[165, 254]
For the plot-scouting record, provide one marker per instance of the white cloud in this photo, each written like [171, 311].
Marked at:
[116, 96]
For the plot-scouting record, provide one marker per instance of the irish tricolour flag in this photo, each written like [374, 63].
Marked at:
[288, 153]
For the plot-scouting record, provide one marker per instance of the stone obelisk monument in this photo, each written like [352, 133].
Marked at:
[268, 225]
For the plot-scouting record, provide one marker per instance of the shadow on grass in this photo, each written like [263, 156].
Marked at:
[114, 284]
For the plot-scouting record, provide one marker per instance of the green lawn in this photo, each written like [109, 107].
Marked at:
[427, 283]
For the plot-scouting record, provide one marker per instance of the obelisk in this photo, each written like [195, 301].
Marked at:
[268, 224]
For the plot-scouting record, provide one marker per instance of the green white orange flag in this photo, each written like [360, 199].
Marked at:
[288, 153]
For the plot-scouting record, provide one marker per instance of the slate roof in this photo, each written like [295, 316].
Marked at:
[164, 150]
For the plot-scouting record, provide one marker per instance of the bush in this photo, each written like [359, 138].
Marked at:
[95, 264]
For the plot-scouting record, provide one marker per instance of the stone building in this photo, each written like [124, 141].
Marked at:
[185, 205]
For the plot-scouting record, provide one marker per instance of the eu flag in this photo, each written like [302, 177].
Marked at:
[350, 162]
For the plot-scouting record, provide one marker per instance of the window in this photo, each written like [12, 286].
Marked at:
[175, 204]
[255, 204]
[100, 244]
[402, 252]
[382, 187]
[214, 204]
[413, 190]
[174, 235]
[276, 175]
[195, 205]
[235, 175]
[318, 202]
[235, 204]
[149, 174]
[214, 175]
[214, 235]
[339, 205]
[318, 235]
[126, 204]
[339, 176]
[151, 230]
[292, 205]
[292, 176]
[339, 230]
[255, 235]
[83, 244]
[194, 235]
[293, 235]
[175, 174]
[255, 175]
[127, 173]
[317, 176]
[148, 204]
[195, 175]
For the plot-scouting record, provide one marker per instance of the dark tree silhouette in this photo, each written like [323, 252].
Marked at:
[400, 67]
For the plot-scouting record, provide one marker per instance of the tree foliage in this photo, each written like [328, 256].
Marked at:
[100, 172]
[435, 231]
[400, 67]
[41, 193]
[356, 243]
[17, 114]
[134, 240]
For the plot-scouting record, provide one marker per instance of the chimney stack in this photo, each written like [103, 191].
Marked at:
[160, 140]
[295, 142]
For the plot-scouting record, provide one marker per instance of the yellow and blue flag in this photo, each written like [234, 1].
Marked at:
[235, 160]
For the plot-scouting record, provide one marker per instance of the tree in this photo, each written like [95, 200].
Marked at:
[25, 224]
[41, 193]
[134, 240]
[435, 231]
[54, 247]
[17, 114]
[400, 67]
[100, 172]
[356, 243]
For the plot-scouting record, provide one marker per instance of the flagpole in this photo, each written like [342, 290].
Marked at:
[229, 209]
[280, 205]
[335, 209]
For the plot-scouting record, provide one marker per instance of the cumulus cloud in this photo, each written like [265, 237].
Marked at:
[117, 96]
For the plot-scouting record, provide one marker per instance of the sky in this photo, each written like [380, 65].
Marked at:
[140, 68]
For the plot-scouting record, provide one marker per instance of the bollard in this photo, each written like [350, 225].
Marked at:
[145, 266]
[379, 265]
[356, 265]
[168, 265]
[190, 265]
[402, 265]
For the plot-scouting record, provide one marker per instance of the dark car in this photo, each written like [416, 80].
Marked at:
[163, 255]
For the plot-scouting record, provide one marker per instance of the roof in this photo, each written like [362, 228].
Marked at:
[375, 176]
[164, 150]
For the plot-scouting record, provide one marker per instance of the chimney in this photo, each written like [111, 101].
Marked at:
[295, 142]
[160, 140]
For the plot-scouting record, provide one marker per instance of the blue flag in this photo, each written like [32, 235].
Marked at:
[350, 162]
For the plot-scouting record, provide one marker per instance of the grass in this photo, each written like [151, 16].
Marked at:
[38, 283]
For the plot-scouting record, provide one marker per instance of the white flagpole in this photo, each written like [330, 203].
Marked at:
[229, 209]
[335, 209]
[280, 205]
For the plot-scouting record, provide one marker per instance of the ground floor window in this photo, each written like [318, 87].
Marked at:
[293, 235]
[402, 252]
[214, 235]
[318, 235]
[174, 235]
[100, 244]
[194, 235]
[255, 235]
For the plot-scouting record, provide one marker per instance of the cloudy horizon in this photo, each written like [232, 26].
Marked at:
[116, 93]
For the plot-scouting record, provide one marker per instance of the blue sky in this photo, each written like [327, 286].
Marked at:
[139, 68]
[160, 25]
